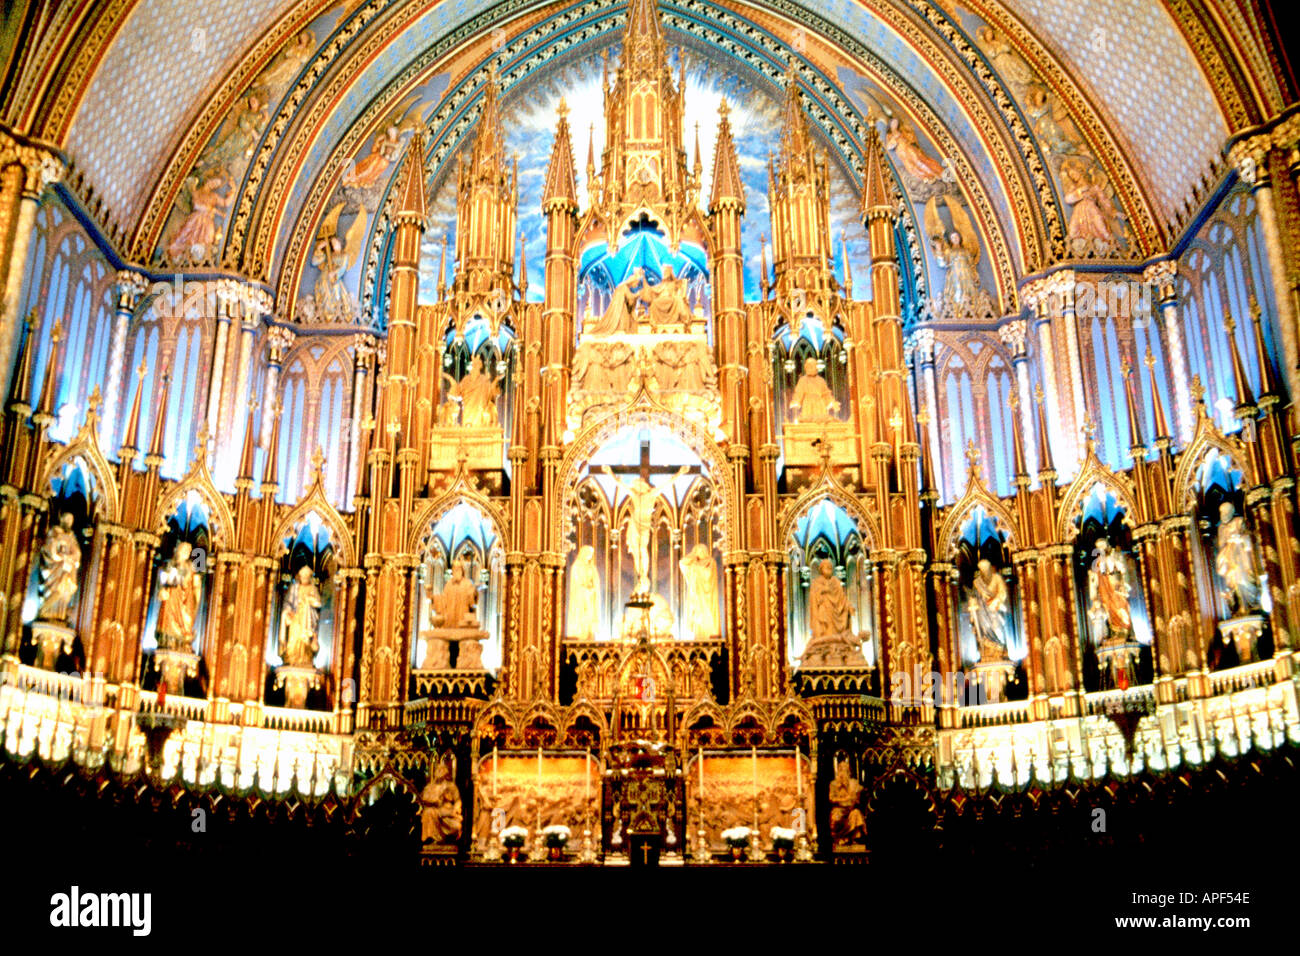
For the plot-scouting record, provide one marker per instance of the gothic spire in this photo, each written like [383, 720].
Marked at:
[1240, 381]
[1266, 384]
[245, 479]
[1045, 464]
[561, 180]
[1017, 440]
[270, 474]
[22, 385]
[875, 191]
[155, 456]
[728, 188]
[45, 406]
[1136, 445]
[411, 200]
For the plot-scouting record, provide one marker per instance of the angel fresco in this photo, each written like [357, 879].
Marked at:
[1004, 58]
[366, 175]
[276, 78]
[233, 145]
[198, 234]
[333, 256]
[1092, 227]
[900, 139]
[957, 249]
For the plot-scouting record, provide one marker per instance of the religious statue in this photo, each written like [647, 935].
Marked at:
[666, 303]
[621, 314]
[812, 401]
[989, 607]
[1234, 559]
[1088, 192]
[848, 826]
[1108, 594]
[584, 596]
[957, 249]
[178, 601]
[639, 523]
[282, 71]
[440, 807]
[60, 561]
[298, 623]
[198, 232]
[901, 141]
[454, 618]
[333, 255]
[457, 604]
[830, 622]
[477, 393]
[700, 573]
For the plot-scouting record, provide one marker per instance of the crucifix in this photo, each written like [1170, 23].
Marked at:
[639, 521]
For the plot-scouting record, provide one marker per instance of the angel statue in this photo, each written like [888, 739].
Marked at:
[368, 171]
[958, 251]
[334, 255]
[198, 232]
[1092, 227]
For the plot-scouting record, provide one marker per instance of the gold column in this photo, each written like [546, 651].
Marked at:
[1161, 276]
[26, 169]
[1251, 158]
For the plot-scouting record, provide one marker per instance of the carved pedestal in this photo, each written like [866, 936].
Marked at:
[175, 666]
[297, 682]
[800, 450]
[483, 447]
[1243, 633]
[51, 639]
[438, 641]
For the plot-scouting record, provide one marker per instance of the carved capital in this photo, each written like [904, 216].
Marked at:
[130, 286]
[1014, 335]
[278, 340]
[920, 345]
[42, 166]
[1250, 158]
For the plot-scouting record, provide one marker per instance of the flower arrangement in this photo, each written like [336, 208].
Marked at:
[736, 837]
[783, 838]
[513, 837]
[556, 836]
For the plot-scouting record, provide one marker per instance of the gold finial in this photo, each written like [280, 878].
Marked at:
[1198, 390]
[562, 109]
[201, 439]
[972, 454]
[1126, 368]
[56, 335]
[1013, 400]
[1229, 322]
[1038, 394]
[140, 369]
[1253, 305]
[723, 108]
[1150, 360]
[93, 403]
[923, 416]
[317, 460]
[1089, 432]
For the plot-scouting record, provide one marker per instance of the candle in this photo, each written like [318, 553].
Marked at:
[494, 772]
[798, 776]
[539, 789]
[701, 763]
[586, 770]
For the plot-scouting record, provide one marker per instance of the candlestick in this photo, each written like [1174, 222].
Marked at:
[701, 768]
[494, 773]
[753, 756]
[586, 770]
[798, 776]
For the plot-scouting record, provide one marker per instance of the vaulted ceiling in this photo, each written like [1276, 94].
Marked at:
[1008, 93]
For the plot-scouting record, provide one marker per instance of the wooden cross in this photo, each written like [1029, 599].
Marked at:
[643, 469]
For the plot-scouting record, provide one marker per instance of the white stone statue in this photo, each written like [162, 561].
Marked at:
[1234, 559]
[621, 314]
[812, 401]
[454, 617]
[300, 620]
[457, 604]
[830, 623]
[584, 596]
[477, 392]
[989, 607]
[666, 303]
[60, 561]
[639, 523]
[700, 573]
[178, 601]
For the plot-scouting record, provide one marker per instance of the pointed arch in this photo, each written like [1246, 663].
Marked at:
[1092, 473]
[200, 482]
[318, 502]
[827, 488]
[976, 495]
[1206, 439]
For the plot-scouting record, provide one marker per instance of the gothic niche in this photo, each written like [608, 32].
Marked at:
[458, 597]
[302, 635]
[647, 523]
[477, 371]
[810, 378]
[643, 316]
[53, 604]
[178, 608]
[830, 591]
[1228, 564]
[1115, 637]
[988, 619]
